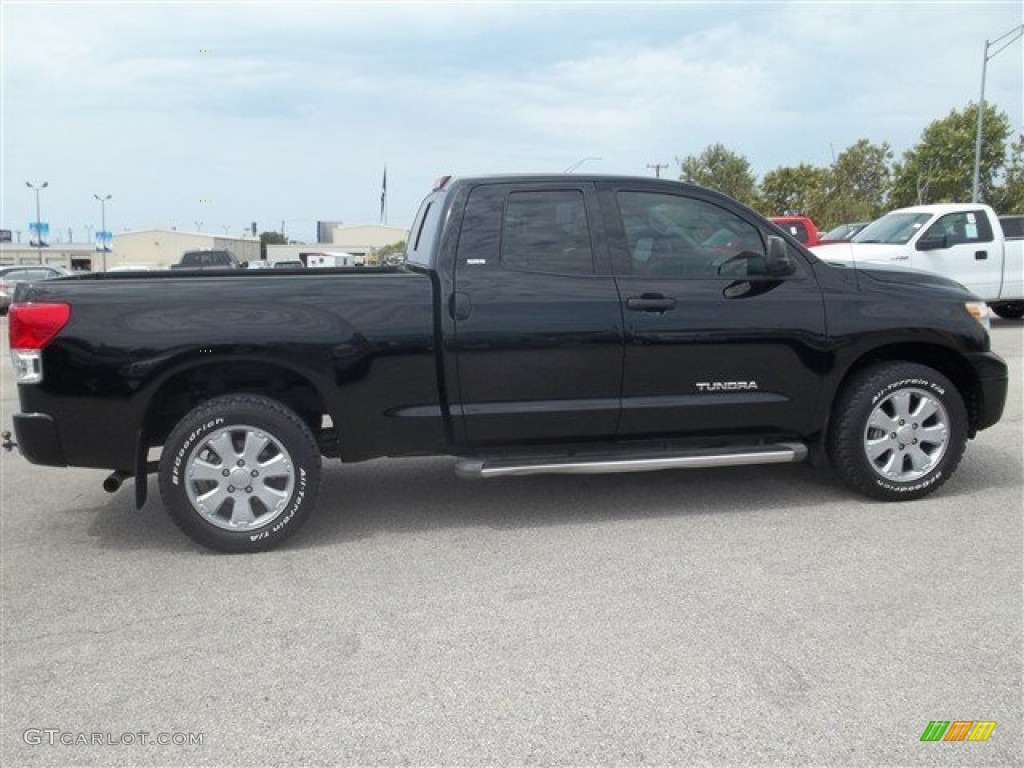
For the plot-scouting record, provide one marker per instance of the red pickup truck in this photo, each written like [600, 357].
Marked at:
[799, 227]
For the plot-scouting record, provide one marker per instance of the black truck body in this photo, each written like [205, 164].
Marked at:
[544, 323]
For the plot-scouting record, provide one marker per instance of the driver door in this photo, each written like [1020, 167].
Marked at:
[713, 343]
[961, 246]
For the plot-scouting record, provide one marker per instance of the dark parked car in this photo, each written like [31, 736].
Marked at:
[208, 259]
[26, 273]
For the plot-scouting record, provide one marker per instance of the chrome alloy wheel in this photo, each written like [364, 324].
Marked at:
[239, 478]
[906, 435]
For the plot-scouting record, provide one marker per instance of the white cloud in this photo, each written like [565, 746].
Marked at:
[297, 107]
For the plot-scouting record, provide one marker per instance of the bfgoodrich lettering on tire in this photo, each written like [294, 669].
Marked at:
[898, 431]
[240, 473]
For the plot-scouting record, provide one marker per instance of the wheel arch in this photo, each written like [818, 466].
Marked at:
[943, 359]
[186, 388]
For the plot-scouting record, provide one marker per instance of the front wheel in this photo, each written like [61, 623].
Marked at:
[898, 432]
[240, 473]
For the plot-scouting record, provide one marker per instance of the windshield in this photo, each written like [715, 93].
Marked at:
[893, 228]
[843, 231]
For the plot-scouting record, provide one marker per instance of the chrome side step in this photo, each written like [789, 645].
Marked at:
[737, 456]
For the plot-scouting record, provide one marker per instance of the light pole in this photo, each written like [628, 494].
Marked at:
[1013, 35]
[103, 226]
[576, 165]
[39, 223]
[657, 168]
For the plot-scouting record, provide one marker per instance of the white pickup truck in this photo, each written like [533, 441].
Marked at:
[962, 241]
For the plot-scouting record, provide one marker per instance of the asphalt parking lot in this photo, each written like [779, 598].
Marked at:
[758, 615]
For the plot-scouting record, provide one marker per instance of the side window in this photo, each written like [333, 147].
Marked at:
[546, 231]
[685, 237]
[1013, 227]
[962, 227]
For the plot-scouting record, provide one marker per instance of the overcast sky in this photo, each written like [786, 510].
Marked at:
[228, 113]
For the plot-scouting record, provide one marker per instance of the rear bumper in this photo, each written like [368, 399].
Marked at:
[38, 439]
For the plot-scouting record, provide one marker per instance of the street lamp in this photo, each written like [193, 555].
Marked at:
[103, 226]
[39, 223]
[1013, 35]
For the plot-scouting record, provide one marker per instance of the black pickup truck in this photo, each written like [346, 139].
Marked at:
[538, 324]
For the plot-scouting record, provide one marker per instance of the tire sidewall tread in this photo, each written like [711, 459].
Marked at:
[257, 411]
[855, 404]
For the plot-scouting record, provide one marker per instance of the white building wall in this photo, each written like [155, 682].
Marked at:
[160, 248]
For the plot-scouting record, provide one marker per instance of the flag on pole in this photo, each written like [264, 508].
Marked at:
[384, 197]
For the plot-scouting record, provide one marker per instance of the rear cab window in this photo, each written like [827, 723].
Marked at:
[546, 229]
[1013, 227]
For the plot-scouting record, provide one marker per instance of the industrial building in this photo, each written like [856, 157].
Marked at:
[161, 248]
[362, 241]
[150, 248]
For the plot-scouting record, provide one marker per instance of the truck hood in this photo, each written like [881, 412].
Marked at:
[912, 279]
[866, 253]
[885, 273]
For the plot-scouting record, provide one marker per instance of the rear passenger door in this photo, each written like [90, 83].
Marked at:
[538, 324]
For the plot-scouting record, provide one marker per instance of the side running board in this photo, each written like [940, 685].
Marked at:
[733, 456]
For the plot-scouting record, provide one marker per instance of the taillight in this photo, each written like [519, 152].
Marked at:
[31, 327]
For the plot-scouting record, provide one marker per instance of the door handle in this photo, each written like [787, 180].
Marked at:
[901, 258]
[650, 302]
[980, 255]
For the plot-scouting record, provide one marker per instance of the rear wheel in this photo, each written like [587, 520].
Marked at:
[240, 473]
[899, 431]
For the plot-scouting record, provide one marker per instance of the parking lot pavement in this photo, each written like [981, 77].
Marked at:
[734, 616]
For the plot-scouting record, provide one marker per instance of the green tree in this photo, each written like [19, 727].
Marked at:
[1009, 196]
[861, 180]
[940, 167]
[393, 248]
[792, 190]
[387, 253]
[723, 170]
[270, 238]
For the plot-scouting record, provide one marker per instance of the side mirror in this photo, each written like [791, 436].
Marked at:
[779, 263]
[932, 243]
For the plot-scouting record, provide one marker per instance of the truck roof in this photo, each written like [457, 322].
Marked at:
[942, 208]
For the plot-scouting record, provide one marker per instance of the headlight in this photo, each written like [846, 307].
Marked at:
[979, 311]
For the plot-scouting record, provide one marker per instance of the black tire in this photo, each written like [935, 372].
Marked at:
[263, 444]
[1009, 311]
[911, 457]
